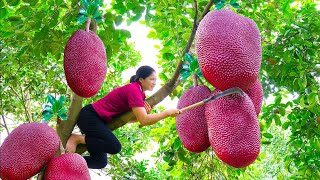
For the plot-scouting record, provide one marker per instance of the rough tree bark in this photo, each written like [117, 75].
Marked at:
[65, 128]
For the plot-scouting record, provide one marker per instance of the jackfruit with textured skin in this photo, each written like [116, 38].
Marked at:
[191, 125]
[229, 49]
[256, 95]
[233, 129]
[26, 150]
[85, 63]
[67, 167]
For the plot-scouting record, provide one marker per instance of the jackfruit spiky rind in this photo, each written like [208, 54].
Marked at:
[229, 49]
[69, 166]
[233, 129]
[26, 150]
[191, 125]
[85, 63]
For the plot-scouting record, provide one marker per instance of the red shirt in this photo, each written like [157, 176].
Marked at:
[120, 100]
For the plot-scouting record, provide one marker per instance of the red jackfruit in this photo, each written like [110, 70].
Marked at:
[67, 167]
[233, 129]
[256, 95]
[26, 150]
[191, 125]
[85, 63]
[228, 49]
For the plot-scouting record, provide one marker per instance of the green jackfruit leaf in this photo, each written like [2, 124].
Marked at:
[81, 18]
[219, 5]
[118, 20]
[235, 5]
[63, 117]
[52, 100]
[188, 57]
[267, 135]
[13, 2]
[47, 116]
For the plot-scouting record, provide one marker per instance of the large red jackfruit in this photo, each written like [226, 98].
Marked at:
[85, 63]
[256, 95]
[67, 167]
[191, 125]
[26, 150]
[233, 129]
[228, 49]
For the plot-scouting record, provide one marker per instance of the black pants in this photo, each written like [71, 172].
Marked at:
[99, 139]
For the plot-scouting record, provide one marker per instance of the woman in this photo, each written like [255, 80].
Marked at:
[98, 138]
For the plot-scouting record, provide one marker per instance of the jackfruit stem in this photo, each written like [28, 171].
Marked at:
[195, 80]
[88, 24]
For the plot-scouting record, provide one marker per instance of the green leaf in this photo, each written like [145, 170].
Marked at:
[177, 144]
[267, 135]
[168, 56]
[219, 5]
[81, 18]
[3, 13]
[278, 99]
[62, 111]
[85, 3]
[194, 65]
[63, 116]
[277, 120]
[97, 14]
[118, 20]
[235, 5]
[47, 115]
[48, 108]
[55, 107]
[188, 57]
[13, 2]
[52, 100]
[62, 100]
[83, 11]
[285, 125]
[185, 75]
[98, 19]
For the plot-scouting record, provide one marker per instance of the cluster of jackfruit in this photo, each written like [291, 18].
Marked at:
[32, 146]
[229, 53]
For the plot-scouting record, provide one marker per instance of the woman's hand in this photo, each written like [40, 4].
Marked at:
[173, 112]
[147, 107]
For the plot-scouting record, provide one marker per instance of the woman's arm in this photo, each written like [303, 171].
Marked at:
[149, 119]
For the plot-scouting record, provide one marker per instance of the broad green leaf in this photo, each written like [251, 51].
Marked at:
[83, 11]
[81, 18]
[97, 14]
[188, 57]
[47, 116]
[185, 75]
[3, 13]
[235, 5]
[267, 135]
[55, 107]
[52, 100]
[63, 116]
[285, 125]
[62, 111]
[13, 2]
[85, 3]
[277, 120]
[278, 99]
[168, 56]
[118, 20]
[219, 5]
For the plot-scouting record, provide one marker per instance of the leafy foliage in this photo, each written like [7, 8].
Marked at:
[34, 33]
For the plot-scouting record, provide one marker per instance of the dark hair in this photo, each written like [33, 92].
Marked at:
[142, 72]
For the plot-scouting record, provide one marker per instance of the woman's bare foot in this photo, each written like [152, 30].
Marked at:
[73, 141]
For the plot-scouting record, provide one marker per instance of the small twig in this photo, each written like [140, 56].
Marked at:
[5, 124]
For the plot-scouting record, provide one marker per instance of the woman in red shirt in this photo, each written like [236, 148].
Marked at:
[92, 118]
